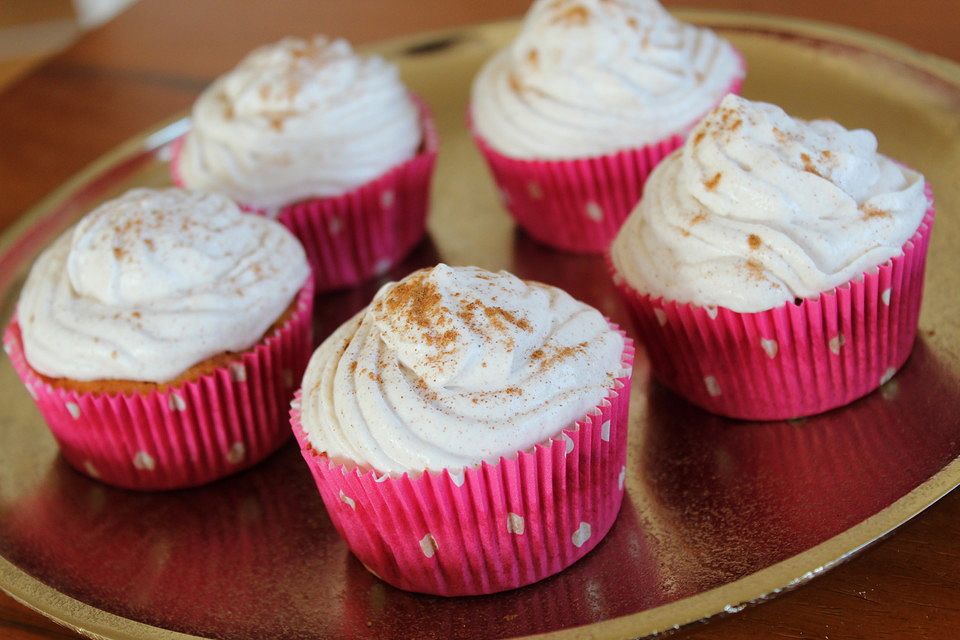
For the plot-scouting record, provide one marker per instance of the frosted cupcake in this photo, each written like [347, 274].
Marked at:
[467, 431]
[590, 96]
[161, 337]
[328, 141]
[776, 265]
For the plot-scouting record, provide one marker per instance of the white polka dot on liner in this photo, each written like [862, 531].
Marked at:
[770, 347]
[515, 524]
[428, 545]
[835, 343]
[144, 461]
[594, 211]
[238, 372]
[383, 265]
[176, 402]
[581, 535]
[713, 387]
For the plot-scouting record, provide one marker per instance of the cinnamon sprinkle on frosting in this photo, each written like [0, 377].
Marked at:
[870, 212]
[739, 222]
[418, 300]
[755, 269]
[712, 183]
[472, 364]
[135, 262]
[576, 15]
[808, 165]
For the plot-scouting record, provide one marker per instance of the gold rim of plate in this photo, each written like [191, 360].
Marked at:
[729, 598]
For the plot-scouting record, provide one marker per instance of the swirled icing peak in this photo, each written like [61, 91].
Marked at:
[455, 365]
[462, 327]
[590, 77]
[758, 208]
[151, 283]
[299, 119]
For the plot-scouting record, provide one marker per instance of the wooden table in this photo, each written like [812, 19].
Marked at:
[153, 60]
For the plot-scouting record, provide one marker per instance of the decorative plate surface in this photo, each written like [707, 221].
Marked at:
[718, 513]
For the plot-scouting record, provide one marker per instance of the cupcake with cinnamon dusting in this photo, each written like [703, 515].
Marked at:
[161, 336]
[457, 380]
[776, 265]
[329, 141]
[574, 114]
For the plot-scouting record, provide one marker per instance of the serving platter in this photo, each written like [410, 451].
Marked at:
[718, 513]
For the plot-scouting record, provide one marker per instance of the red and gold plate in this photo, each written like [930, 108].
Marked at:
[718, 513]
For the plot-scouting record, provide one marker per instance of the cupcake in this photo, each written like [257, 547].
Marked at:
[161, 338]
[576, 112]
[329, 142]
[776, 265]
[467, 431]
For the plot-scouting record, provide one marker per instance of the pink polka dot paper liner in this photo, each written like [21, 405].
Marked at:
[490, 527]
[361, 234]
[578, 205]
[794, 360]
[186, 435]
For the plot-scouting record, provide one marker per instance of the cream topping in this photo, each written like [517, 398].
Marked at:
[453, 366]
[154, 282]
[299, 119]
[758, 208]
[590, 77]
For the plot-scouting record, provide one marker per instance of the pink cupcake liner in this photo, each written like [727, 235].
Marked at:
[490, 527]
[794, 360]
[363, 233]
[186, 435]
[578, 205]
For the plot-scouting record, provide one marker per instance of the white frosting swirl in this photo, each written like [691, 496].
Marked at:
[455, 365]
[591, 77]
[299, 119]
[154, 282]
[758, 208]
